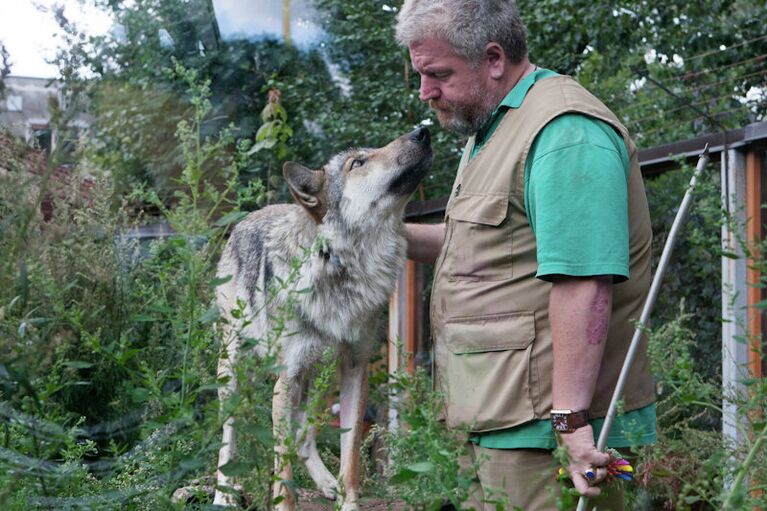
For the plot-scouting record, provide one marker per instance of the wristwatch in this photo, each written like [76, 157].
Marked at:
[567, 421]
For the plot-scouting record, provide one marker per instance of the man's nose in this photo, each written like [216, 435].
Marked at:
[428, 89]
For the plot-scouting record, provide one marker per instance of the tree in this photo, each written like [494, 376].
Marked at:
[710, 54]
[5, 68]
[136, 102]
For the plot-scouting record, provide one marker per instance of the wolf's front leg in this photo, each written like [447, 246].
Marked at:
[282, 422]
[354, 386]
[319, 473]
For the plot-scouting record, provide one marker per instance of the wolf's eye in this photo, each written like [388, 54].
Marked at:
[356, 162]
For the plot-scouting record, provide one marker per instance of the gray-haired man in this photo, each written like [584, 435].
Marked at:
[532, 301]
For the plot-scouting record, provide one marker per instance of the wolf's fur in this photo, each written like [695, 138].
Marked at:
[352, 209]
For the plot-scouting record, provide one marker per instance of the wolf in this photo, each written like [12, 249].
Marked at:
[351, 211]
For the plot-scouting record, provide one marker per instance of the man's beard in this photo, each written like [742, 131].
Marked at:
[464, 118]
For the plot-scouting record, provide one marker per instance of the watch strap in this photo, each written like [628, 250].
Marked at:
[567, 421]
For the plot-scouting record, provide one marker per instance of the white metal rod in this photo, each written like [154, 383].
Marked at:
[681, 215]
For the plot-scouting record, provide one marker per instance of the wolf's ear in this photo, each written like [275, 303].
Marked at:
[306, 187]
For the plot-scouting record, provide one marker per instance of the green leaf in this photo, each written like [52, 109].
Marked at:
[77, 384]
[78, 364]
[218, 281]
[141, 318]
[210, 386]
[127, 355]
[236, 468]
[266, 131]
[211, 315]
[163, 309]
[262, 434]
[421, 467]
[276, 369]
[228, 219]
[190, 463]
[264, 144]
[139, 395]
[402, 476]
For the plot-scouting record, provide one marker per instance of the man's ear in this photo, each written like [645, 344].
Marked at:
[496, 59]
[306, 187]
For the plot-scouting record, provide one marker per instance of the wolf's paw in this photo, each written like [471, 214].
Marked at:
[230, 496]
[350, 506]
[224, 500]
[329, 489]
[198, 491]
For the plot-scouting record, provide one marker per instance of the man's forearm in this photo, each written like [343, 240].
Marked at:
[424, 241]
[579, 314]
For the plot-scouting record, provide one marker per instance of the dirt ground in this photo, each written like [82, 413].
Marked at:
[310, 500]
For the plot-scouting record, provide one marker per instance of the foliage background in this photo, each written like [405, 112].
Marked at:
[107, 350]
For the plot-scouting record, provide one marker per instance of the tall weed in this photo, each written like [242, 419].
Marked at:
[107, 351]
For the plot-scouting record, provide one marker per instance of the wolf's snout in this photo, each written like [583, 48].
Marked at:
[420, 135]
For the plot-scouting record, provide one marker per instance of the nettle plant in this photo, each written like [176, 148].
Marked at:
[108, 351]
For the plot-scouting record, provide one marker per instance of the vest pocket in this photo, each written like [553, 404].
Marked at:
[480, 241]
[487, 378]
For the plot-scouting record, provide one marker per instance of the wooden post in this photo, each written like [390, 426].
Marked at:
[412, 314]
[753, 273]
[754, 200]
[734, 295]
[405, 338]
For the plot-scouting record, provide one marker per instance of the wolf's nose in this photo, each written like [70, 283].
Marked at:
[420, 135]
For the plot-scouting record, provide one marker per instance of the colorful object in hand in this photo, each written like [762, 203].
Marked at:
[618, 468]
[621, 469]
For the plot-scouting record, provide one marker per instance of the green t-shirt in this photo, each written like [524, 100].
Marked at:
[576, 198]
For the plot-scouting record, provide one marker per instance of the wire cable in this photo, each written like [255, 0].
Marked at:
[640, 104]
[684, 107]
[728, 48]
[690, 76]
[709, 116]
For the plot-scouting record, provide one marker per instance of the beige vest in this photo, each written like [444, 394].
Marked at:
[489, 313]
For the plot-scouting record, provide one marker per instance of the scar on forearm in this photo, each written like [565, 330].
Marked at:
[597, 332]
[601, 300]
[598, 327]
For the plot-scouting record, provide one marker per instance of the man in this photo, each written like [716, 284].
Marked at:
[543, 259]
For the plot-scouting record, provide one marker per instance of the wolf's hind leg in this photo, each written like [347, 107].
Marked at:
[283, 404]
[354, 386]
[228, 450]
[319, 473]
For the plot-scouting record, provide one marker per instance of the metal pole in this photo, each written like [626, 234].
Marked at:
[647, 309]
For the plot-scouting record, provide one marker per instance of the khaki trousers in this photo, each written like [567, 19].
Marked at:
[523, 479]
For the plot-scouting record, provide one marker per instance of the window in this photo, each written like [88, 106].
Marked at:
[14, 103]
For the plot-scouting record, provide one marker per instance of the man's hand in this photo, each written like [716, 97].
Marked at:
[584, 457]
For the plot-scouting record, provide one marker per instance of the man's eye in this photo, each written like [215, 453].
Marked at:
[357, 162]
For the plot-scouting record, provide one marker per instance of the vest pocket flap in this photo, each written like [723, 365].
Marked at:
[479, 208]
[500, 332]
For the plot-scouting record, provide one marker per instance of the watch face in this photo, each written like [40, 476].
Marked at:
[559, 422]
